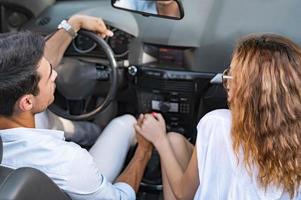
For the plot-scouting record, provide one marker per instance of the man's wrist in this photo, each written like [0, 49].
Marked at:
[143, 152]
[68, 28]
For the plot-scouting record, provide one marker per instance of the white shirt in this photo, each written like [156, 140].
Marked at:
[71, 167]
[219, 174]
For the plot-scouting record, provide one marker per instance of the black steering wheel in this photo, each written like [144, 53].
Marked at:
[76, 80]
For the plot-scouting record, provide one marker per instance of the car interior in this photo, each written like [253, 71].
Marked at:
[167, 64]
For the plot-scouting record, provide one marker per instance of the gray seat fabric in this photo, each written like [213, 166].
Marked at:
[27, 184]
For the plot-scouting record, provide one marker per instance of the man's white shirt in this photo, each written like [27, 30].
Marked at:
[71, 167]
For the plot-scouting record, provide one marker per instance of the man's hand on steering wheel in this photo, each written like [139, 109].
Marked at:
[94, 24]
[57, 43]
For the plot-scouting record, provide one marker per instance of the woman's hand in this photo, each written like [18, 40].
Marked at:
[152, 128]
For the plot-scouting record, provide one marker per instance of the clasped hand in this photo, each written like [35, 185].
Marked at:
[152, 127]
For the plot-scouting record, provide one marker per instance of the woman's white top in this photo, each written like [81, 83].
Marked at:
[220, 174]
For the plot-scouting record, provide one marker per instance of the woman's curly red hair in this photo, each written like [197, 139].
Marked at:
[265, 101]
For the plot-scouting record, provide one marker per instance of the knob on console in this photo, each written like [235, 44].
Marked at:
[164, 106]
[132, 70]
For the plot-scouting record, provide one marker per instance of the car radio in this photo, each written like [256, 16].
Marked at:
[174, 93]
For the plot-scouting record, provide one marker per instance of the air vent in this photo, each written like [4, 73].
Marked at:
[44, 21]
[169, 85]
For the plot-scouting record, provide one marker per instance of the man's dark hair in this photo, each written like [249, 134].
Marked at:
[20, 54]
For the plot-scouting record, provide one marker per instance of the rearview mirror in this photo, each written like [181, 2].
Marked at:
[171, 9]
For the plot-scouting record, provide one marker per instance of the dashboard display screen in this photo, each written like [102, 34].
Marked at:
[171, 57]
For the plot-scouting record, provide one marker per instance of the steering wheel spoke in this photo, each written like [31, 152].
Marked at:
[76, 107]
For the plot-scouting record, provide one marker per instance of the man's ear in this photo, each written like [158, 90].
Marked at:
[25, 103]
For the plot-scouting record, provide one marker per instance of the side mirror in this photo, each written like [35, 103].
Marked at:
[172, 9]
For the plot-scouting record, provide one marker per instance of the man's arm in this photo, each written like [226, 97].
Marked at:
[133, 173]
[57, 44]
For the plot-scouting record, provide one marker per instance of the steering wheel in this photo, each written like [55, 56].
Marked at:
[76, 80]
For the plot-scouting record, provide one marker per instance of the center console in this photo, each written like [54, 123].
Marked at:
[168, 86]
[174, 93]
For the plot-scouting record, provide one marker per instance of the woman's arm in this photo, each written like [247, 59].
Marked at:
[183, 183]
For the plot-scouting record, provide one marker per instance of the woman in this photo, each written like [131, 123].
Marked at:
[252, 150]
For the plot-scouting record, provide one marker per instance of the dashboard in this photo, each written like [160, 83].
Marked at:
[119, 43]
[210, 27]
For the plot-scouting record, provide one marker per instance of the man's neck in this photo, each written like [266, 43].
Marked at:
[25, 119]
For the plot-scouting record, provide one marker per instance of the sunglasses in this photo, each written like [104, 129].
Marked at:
[226, 77]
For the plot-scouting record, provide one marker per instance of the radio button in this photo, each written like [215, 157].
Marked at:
[174, 99]
[184, 108]
[183, 99]
[181, 130]
[156, 91]
[174, 118]
[174, 93]
[153, 73]
[174, 124]
[164, 106]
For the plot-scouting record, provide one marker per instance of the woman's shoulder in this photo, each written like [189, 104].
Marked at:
[219, 114]
[215, 125]
[215, 117]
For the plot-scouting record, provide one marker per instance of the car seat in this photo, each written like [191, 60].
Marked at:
[27, 184]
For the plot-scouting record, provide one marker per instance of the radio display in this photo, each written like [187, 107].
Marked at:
[171, 57]
[165, 106]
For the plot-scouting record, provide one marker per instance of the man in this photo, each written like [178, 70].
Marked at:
[27, 84]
